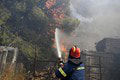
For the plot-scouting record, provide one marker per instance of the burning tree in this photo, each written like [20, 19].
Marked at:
[32, 22]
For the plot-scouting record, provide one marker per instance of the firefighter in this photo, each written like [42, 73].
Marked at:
[73, 69]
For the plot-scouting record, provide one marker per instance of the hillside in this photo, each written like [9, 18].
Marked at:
[29, 23]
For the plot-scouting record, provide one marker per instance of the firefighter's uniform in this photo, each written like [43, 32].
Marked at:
[71, 71]
[74, 69]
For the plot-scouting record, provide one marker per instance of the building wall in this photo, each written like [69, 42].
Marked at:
[109, 45]
[103, 64]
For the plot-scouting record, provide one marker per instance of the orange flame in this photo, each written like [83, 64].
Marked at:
[63, 48]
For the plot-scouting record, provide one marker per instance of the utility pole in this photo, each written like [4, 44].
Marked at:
[100, 68]
[89, 68]
[34, 64]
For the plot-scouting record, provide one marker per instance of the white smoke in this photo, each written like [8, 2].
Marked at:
[99, 19]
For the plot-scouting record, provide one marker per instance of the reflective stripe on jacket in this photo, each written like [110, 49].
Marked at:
[71, 72]
[62, 72]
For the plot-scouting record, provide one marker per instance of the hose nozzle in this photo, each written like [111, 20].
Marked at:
[61, 62]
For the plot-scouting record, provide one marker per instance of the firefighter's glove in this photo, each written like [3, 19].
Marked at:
[61, 63]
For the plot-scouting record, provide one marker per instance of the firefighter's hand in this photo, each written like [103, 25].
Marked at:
[60, 60]
[61, 63]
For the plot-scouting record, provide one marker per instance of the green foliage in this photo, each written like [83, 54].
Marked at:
[4, 14]
[31, 23]
[38, 13]
[27, 23]
[5, 36]
[25, 47]
[9, 39]
[69, 24]
[38, 21]
[20, 6]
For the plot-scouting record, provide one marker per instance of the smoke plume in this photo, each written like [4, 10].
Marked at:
[99, 19]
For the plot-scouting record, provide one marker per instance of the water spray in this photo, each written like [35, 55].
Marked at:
[57, 42]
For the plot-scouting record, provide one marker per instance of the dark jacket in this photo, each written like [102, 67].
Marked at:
[72, 70]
